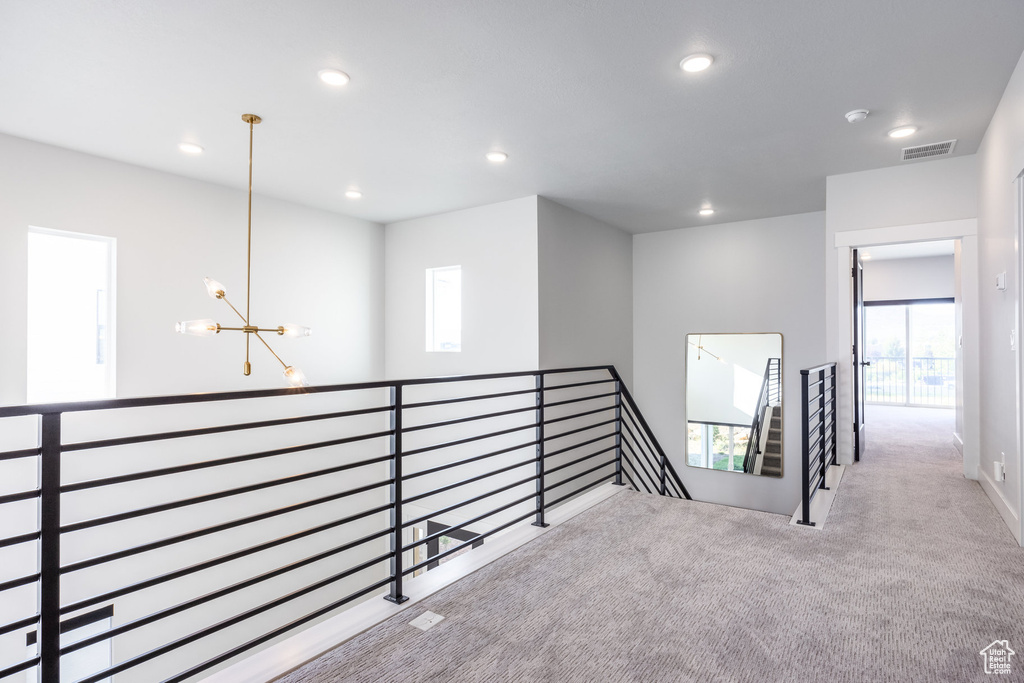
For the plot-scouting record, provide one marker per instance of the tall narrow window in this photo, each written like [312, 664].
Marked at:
[70, 316]
[444, 308]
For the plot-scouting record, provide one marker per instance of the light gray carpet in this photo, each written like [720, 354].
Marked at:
[913, 574]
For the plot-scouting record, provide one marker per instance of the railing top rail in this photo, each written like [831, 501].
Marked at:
[819, 368]
[145, 401]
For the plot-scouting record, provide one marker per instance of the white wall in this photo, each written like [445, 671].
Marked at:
[914, 202]
[586, 291]
[1000, 162]
[910, 278]
[754, 276]
[309, 266]
[496, 246]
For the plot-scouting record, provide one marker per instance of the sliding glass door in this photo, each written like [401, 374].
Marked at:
[911, 348]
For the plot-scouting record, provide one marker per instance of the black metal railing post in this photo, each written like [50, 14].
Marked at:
[396, 595]
[823, 457]
[49, 546]
[618, 433]
[832, 413]
[539, 413]
[805, 440]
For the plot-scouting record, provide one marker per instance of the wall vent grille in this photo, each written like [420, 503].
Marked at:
[935, 149]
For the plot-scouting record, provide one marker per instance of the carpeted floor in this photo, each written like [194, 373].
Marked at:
[912, 576]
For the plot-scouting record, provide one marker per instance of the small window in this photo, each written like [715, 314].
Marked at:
[444, 309]
[70, 316]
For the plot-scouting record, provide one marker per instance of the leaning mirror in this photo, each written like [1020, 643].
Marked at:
[734, 402]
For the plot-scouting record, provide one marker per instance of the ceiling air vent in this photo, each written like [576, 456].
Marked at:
[935, 149]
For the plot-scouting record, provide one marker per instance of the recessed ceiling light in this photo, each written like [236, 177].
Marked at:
[496, 157]
[706, 211]
[695, 63]
[902, 131]
[190, 148]
[333, 76]
[353, 194]
[865, 256]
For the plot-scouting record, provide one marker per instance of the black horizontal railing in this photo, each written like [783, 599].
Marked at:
[338, 492]
[818, 432]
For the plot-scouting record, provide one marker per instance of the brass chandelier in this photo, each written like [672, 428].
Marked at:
[208, 327]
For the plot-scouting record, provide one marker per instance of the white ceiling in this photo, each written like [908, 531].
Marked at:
[585, 96]
[909, 250]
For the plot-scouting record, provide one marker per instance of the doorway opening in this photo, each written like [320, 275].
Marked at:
[907, 322]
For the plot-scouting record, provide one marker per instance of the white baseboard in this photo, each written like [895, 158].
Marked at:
[1000, 503]
[822, 501]
[279, 659]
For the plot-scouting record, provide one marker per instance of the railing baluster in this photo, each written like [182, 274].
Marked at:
[539, 519]
[396, 596]
[49, 546]
[821, 428]
[833, 412]
[618, 434]
[805, 476]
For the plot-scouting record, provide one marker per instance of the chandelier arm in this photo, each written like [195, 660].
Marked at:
[225, 300]
[283, 364]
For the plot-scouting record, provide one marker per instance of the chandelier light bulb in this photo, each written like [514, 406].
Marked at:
[213, 288]
[198, 328]
[295, 377]
[293, 330]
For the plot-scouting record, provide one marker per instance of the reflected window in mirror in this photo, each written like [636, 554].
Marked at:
[734, 402]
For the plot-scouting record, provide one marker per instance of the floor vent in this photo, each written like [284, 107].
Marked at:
[935, 149]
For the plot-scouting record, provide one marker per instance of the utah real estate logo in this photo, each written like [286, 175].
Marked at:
[997, 657]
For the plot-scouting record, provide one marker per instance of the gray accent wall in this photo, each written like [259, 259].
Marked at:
[586, 291]
[754, 276]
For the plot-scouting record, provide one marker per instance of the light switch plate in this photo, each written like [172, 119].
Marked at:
[1001, 281]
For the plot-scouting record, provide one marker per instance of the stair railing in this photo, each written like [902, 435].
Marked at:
[246, 515]
[769, 395]
[818, 433]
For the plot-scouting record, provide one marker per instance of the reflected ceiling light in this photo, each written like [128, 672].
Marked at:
[208, 327]
[353, 194]
[865, 256]
[496, 157]
[695, 63]
[190, 148]
[902, 131]
[333, 77]
[706, 211]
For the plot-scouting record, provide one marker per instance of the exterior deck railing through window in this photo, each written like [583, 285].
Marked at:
[930, 382]
[202, 527]
[817, 433]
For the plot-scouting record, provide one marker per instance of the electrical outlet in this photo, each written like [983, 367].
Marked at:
[999, 469]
